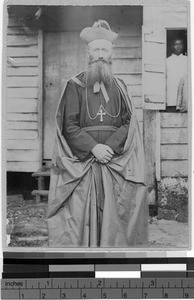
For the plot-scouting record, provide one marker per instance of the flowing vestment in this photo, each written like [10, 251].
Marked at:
[93, 204]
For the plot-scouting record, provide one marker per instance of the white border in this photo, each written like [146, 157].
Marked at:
[151, 252]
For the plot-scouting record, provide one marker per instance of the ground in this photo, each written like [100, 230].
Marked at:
[27, 227]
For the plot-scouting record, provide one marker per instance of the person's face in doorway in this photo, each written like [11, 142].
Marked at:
[177, 47]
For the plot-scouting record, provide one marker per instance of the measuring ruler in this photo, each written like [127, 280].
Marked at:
[96, 288]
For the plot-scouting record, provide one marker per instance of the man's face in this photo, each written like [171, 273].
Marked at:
[178, 47]
[100, 50]
[100, 62]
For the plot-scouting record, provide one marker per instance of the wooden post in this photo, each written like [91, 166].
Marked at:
[40, 96]
[40, 108]
[38, 197]
[149, 137]
[158, 156]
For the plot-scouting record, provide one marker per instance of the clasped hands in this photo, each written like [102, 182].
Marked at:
[103, 153]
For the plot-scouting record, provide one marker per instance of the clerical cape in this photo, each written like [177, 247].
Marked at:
[93, 204]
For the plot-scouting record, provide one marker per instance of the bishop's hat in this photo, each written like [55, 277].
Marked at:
[99, 30]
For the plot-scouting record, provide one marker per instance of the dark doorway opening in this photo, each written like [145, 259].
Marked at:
[176, 34]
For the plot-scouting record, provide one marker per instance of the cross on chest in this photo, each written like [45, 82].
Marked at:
[101, 113]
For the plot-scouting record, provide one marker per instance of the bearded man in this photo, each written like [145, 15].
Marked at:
[97, 194]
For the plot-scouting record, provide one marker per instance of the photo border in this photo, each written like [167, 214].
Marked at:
[103, 252]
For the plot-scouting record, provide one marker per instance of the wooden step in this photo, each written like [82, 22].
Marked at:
[40, 192]
[41, 173]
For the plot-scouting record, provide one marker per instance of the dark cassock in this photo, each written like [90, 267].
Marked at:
[92, 204]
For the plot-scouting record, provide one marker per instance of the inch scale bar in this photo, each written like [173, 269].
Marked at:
[93, 288]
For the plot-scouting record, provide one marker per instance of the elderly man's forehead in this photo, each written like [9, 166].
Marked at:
[100, 43]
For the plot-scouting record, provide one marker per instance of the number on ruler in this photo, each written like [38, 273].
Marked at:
[125, 295]
[145, 295]
[186, 295]
[99, 283]
[22, 296]
[152, 283]
[84, 295]
[104, 295]
[166, 295]
[43, 296]
[63, 296]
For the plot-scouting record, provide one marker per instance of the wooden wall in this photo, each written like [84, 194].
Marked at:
[174, 144]
[167, 131]
[24, 70]
[127, 64]
[24, 81]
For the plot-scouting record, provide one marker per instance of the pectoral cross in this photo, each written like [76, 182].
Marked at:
[101, 113]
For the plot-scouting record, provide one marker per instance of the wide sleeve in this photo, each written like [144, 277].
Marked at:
[80, 142]
[117, 140]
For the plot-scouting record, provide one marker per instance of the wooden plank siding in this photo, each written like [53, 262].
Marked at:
[174, 144]
[171, 138]
[23, 84]
[127, 65]
[64, 56]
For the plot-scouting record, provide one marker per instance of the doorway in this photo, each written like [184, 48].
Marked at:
[64, 56]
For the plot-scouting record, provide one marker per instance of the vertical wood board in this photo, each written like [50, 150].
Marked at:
[153, 64]
[40, 96]
[149, 138]
[158, 153]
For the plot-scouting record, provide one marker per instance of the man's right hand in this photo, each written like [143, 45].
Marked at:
[103, 153]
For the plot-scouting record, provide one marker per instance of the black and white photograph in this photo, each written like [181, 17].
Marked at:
[97, 125]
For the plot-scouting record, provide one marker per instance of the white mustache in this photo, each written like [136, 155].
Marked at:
[97, 60]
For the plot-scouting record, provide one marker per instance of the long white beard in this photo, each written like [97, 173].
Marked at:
[99, 70]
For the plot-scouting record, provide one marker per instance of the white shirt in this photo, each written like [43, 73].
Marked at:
[176, 68]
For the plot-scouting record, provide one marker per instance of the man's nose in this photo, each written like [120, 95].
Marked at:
[100, 54]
